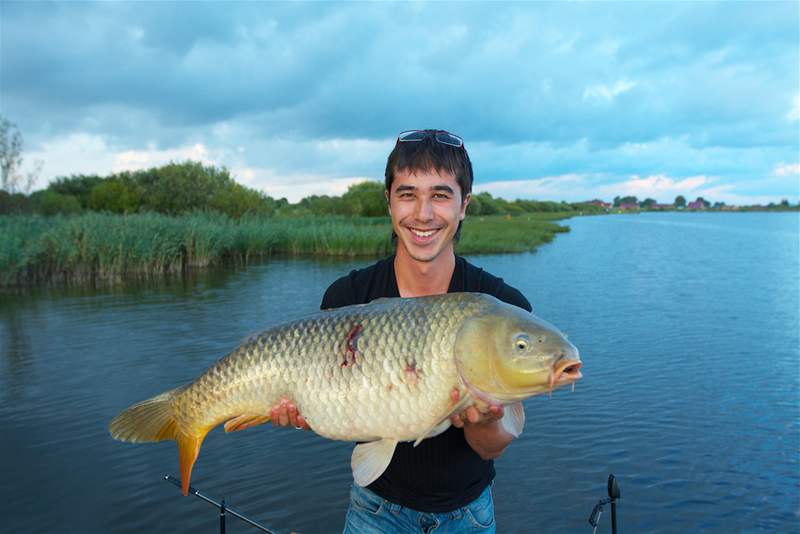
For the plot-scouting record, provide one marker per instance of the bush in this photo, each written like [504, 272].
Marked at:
[13, 203]
[181, 187]
[116, 196]
[49, 202]
[79, 186]
[366, 199]
[236, 201]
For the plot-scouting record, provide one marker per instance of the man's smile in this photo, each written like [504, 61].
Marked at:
[422, 235]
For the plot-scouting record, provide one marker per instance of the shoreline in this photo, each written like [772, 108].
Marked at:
[99, 249]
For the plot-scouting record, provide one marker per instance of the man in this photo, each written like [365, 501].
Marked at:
[444, 483]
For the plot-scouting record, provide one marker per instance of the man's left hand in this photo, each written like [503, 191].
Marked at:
[473, 415]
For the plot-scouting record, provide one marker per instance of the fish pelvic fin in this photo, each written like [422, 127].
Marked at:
[153, 420]
[245, 421]
[370, 460]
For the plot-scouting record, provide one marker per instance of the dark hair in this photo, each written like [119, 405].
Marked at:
[428, 154]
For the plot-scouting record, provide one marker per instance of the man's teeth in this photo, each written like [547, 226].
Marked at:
[426, 233]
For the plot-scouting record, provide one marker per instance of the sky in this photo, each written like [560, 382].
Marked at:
[555, 101]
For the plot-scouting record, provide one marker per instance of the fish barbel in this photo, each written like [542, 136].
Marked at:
[378, 373]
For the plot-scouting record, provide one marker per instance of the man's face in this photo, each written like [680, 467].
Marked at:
[426, 207]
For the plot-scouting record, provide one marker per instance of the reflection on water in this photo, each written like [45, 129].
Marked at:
[687, 325]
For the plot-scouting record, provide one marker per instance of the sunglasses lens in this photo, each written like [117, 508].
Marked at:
[446, 138]
[412, 135]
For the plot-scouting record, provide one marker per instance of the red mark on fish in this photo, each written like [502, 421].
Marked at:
[412, 373]
[351, 345]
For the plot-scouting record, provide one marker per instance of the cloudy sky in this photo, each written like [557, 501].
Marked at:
[557, 101]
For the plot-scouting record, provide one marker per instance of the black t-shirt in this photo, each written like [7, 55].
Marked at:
[442, 473]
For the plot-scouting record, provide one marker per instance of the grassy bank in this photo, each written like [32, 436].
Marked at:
[97, 247]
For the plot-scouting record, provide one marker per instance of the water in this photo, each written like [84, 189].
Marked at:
[688, 327]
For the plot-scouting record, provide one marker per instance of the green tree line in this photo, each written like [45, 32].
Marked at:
[179, 188]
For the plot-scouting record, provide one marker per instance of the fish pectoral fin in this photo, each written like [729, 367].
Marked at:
[437, 429]
[442, 425]
[513, 420]
[242, 422]
[371, 459]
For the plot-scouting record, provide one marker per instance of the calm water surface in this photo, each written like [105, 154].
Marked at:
[687, 324]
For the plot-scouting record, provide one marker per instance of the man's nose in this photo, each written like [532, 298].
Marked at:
[424, 211]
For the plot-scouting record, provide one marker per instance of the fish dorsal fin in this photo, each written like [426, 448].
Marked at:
[513, 420]
[242, 422]
[444, 423]
[370, 460]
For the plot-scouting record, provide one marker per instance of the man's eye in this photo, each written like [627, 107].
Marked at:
[441, 196]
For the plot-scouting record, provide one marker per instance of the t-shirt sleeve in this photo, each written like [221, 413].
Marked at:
[338, 294]
[480, 281]
[512, 295]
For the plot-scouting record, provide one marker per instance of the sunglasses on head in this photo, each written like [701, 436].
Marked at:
[441, 136]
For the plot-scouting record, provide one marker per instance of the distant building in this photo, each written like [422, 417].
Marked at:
[662, 207]
[696, 205]
[598, 203]
[629, 206]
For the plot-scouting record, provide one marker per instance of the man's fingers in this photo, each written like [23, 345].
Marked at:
[301, 422]
[274, 415]
[474, 415]
[456, 421]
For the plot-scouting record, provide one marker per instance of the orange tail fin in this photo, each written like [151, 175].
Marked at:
[153, 420]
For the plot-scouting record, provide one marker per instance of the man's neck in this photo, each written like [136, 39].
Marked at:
[420, 278]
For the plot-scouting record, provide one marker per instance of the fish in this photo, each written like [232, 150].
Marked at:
[377, 373]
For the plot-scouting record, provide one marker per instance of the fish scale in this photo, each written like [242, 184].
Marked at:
[381, 372]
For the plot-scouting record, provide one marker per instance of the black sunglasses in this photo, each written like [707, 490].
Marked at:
[441, 136]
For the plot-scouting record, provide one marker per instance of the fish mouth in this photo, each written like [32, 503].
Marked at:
[565, 372]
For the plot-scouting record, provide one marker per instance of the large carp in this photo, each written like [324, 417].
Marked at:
[378, 373]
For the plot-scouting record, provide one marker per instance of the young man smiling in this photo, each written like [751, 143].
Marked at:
[443, 484]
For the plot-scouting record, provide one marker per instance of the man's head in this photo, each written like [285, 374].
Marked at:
[428, 186]
[432, 151]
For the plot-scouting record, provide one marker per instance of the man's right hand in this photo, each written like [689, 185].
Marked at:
[285, 413]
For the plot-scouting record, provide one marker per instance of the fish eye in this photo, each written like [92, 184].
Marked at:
[521, 342]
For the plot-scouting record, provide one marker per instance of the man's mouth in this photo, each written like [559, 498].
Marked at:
[423, 233]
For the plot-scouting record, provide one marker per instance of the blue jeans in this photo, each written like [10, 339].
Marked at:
[368, 513]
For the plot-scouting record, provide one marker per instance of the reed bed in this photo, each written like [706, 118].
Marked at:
[98, 247]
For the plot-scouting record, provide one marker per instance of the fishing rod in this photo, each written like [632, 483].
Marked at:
[597, 511]
[224, 510]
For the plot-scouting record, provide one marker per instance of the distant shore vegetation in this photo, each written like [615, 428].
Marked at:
[633, 204]
[182, 216]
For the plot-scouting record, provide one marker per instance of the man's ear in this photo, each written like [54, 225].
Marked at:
[464, 205]
[388, 204]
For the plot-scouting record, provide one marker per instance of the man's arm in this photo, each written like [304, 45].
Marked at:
[484, 432]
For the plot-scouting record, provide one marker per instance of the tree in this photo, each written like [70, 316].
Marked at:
[366, 199]
[680, 201]
[11, 178]
[647, 203]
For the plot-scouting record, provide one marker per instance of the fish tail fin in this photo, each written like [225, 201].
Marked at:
[147, 421]
[153, 420]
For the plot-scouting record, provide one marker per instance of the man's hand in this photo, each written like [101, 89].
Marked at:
[472, 415]
[482, 429]
[285, 414]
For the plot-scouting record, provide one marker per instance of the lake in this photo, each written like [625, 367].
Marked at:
[688, 326]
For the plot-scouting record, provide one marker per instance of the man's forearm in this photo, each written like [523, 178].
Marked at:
[489, 439]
